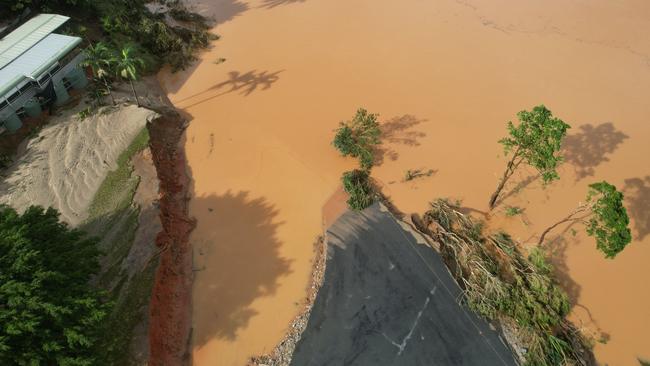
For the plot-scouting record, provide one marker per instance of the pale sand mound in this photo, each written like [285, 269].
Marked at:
[65, 164]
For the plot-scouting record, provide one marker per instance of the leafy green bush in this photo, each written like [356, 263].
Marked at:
[514, 211]
[49, 313]
[610, 222]
[357, 184]
[605, 218]
[358, 137]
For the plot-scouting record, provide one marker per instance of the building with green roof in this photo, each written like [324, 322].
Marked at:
[38, 68]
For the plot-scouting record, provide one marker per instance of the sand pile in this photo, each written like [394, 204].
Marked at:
[65, 164]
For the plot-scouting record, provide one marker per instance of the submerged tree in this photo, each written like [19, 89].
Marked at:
[101, 60]
[536, 141]
[49, 314]
[128, 67]
[358, 137]
[605, 218]
[357, 184]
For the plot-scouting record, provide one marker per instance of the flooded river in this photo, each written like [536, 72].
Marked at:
[445, 77]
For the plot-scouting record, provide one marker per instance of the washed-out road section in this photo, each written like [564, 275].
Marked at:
[388, 299]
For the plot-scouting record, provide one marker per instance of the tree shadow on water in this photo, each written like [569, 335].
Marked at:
[522, 184]
[397, 131]
[557, 251]
[236, 261]
[589, 148]
[226, 10]
[244, 83]
[637, 197]
[270, 4]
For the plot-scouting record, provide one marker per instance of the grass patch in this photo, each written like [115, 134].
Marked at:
[512, 211]
[114, 219]
[116, 191]
[502, 284]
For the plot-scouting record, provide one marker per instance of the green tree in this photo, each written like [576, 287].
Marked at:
[605, 219]
[128, 66]
[49, 314]
[357, 184]
[536, 141]
[358, 137]
[101, 60]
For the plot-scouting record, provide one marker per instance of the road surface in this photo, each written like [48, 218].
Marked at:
[388, 299]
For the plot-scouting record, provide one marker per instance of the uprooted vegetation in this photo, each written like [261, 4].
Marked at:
[516, 291]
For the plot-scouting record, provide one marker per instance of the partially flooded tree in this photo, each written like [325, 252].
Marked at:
[536, 141]
[605, 218]
[357, 184]
[358, 137]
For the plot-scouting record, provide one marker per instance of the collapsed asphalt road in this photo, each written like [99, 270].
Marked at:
[388, 300]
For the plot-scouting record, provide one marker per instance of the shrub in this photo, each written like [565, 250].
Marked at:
[357, 184]
[358, 137]
[514, 211]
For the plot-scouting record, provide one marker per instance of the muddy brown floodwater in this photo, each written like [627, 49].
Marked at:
[445, 77]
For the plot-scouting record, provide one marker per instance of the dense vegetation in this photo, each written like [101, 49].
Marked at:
[357, 184]
[49, 314]
[358, 138]
[502, 284]
[128, 22]
[536, 141]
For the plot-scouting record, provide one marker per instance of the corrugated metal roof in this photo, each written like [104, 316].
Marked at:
[37, 59]
[27, 35]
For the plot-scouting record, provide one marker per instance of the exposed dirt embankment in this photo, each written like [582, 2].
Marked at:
[170, 316]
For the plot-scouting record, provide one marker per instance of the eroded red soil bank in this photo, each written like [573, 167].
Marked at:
[170, 315]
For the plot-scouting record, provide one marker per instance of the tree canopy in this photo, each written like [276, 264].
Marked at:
[536, 141]
[605, 219]
[127, 67]
[358, 137]
[101, 59]
[49, 314]
[609, 223]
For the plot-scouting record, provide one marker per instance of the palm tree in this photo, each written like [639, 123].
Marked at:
[101, 59]
[127, 67]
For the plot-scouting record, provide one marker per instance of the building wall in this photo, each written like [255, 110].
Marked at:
[71, 72]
